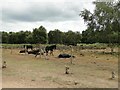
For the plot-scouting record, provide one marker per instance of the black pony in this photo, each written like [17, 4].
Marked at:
[65, 56]
[28, 47]
[35, 52]
[50, 48]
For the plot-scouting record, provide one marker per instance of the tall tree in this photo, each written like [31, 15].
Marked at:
[29, 37]
[4, 37]
[40, 35]
[21, 37]
[55, 37]
[71, 37]
[12, 38]
[104, 21]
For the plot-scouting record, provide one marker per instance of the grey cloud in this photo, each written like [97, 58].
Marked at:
[43, 12]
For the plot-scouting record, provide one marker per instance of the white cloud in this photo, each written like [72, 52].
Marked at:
[52, 14]
[63, 26]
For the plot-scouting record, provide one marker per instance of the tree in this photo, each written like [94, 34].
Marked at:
[55, 37]
[4, 37]
[78, 37]
[29, 37]
[40, 35]
[71, 37]
[104, 21]
[12, 38]
[21, 37]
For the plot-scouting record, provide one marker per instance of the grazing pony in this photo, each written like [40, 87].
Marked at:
[22, 51]
[28, 47]
[36, 52]
[50, 48]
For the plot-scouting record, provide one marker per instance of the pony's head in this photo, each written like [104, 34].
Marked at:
[54, 46]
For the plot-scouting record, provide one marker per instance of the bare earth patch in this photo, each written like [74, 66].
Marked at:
[92, 70]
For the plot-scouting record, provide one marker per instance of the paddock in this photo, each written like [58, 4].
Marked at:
[90, 69]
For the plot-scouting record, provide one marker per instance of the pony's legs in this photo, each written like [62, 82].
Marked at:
[51, 53]
[46, 53]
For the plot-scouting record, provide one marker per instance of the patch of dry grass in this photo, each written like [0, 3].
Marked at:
[91, 70]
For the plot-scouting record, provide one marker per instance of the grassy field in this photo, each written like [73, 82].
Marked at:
[96, 45]
[90, 69]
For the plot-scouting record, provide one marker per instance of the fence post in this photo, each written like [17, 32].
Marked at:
[11, 48]
[71, 61]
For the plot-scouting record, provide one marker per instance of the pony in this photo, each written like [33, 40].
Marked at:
[50, 48]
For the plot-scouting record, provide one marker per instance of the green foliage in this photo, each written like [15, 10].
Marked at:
[71, 37]
[58, 37]
[55, 37]
[12, 38]
[40, 35]
[4, 37]
[103, 25]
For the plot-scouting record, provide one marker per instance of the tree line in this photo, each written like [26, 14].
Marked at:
[103, 26]
[40, 35]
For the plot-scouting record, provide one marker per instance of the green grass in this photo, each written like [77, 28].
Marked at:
[95, 44]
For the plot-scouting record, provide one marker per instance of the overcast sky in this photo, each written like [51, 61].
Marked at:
[25, 15]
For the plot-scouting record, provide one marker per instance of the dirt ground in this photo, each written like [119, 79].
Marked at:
[90, 69]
